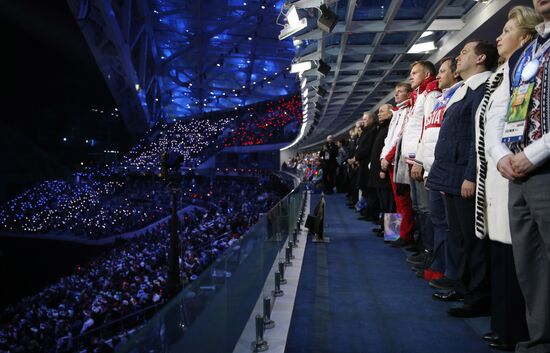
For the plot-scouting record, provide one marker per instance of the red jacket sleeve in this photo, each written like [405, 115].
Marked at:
[391, 154]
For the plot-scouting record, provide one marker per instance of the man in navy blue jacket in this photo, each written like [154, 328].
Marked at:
[454, 173]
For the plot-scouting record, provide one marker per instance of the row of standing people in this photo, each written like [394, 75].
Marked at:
[465, 156]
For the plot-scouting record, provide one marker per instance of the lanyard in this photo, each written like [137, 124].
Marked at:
[447, 96]
[528, 65]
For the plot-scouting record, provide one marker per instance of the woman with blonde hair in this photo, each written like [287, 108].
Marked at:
[508, 321]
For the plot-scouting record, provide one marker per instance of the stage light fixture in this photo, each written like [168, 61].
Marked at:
[294, 23]
[328, 19]
[422, 48]
[323, 68]
[426, 34]
[300, 67]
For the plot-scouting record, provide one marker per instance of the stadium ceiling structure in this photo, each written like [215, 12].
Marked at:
[178, 58]
[165, 59]
[371, 48]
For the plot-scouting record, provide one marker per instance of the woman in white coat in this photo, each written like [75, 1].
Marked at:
[507, 309]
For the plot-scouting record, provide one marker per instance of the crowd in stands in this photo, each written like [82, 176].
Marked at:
[124, 197]
[100, 202]
[90, 208]
[132, 275]
[463, 157]
[263, 123]
[189, 139]
[308, 166]
[270, 123]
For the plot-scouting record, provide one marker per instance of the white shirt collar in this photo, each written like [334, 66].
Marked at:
[477, 80]
[543, 29]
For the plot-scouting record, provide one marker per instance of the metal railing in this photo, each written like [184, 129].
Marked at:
[210, 313]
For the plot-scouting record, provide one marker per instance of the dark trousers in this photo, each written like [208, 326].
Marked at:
[441, 233]
[352, 185]
[474, 273]
[329, 177]
[507, 304]
[341, 179]
[529, 207]
[385, 198]
[373, 204]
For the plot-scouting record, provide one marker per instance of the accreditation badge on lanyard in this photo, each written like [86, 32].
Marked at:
[517, 113]
[524, 82]
[522, 89]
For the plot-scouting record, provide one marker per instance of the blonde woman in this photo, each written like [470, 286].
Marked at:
[508, 322]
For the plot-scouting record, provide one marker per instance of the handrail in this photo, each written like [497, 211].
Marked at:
[192, 310]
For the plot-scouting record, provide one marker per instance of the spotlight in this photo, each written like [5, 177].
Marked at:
[300, 67]
[294, 23]
[422, 48]
[327, 20]
[323, 68]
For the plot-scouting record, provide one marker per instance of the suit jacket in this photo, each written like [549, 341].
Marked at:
[455, 155]
[363, 154]
[374, 171]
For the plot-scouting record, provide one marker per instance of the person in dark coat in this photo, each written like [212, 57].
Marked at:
[363, 155]
[378, 180]
[341, 171]
[355, 135]
[328, 156]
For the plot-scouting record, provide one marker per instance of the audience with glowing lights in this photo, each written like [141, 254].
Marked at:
[93, 208]
[132, 275]
[273, 122]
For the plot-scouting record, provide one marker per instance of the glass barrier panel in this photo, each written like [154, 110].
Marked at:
[210, 313]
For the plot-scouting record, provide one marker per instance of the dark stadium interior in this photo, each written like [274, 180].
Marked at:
[263, 175]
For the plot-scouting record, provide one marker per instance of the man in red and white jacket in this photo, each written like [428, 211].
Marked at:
[426, 92]
[401, 192]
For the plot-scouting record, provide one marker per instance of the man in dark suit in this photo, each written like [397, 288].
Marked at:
[454, 173]
[378, 180]
[362, 155]
[328, 155]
